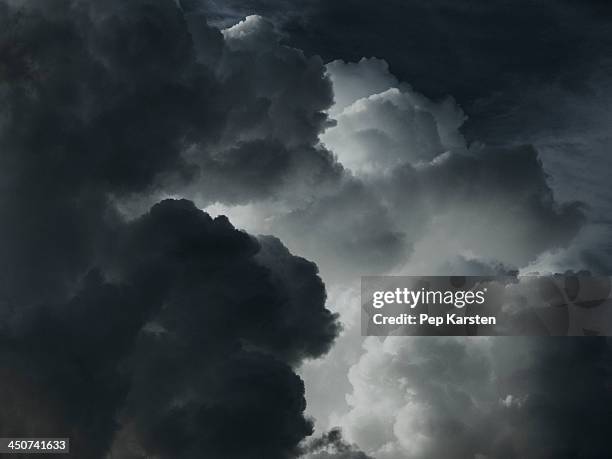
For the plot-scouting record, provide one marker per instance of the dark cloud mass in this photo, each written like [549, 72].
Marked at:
[171, 335]
[215, 357]
[183, 326]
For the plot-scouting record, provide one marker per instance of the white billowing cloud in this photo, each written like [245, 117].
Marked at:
[416, 398]
[452, 206]
[461, 210]
[467, 398]
[382, 124]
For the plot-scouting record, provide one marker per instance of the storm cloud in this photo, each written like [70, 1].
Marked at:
[138, 336]
[184, 323]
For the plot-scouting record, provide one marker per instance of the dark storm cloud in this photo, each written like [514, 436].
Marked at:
[211, 372]
[185, 333]
[172, 335]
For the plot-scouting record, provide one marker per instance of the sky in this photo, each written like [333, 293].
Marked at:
[190, 191]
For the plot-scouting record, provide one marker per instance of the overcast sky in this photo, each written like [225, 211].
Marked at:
[190, 191]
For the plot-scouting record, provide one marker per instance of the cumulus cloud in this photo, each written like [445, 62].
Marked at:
[459, 209]
[413, 185]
